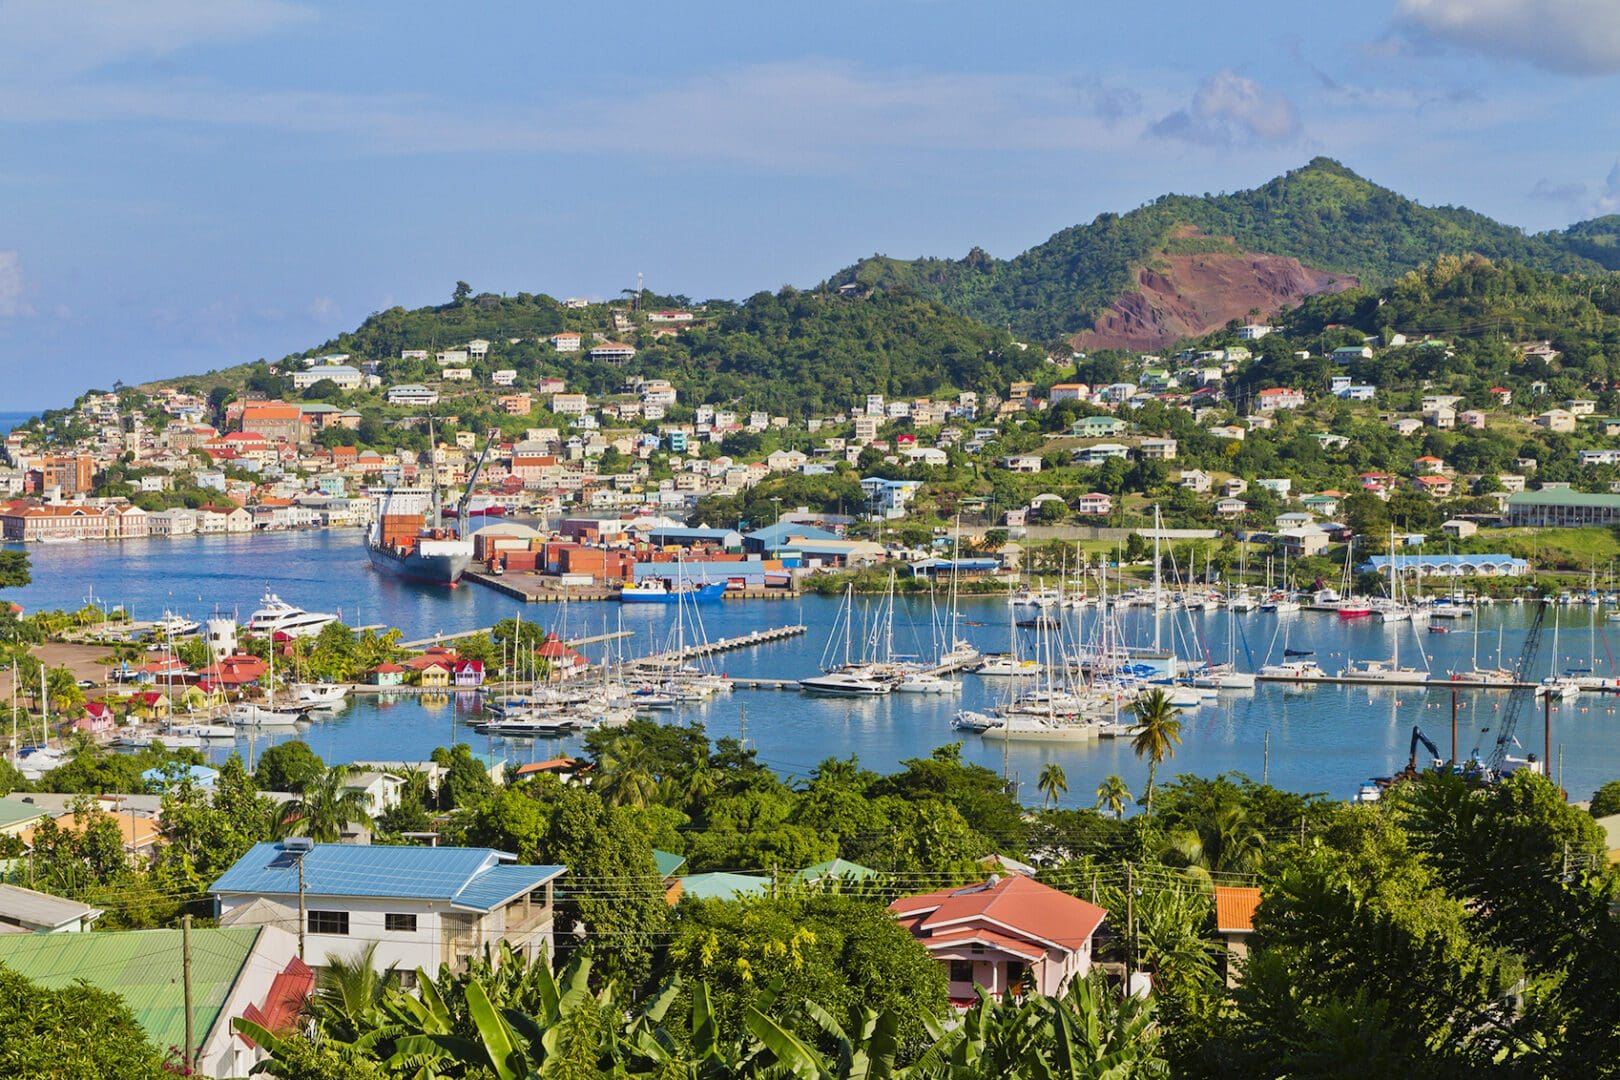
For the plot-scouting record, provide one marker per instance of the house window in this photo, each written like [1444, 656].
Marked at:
[402, 924]
[961, 971]
[1015, 976]
[329, 922]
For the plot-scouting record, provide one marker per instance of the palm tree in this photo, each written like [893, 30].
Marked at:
[1053, 782]
[627, 774]
[1112, 795]
[1156, 734]
[348, 992]
[324, 808]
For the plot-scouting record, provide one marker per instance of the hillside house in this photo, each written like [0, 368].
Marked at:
[421, 906]
[1558, 420]
[1096, 504]
[1003, 935]
[1274, 398]
[1157, 450]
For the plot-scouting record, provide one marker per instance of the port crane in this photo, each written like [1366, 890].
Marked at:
[1491, 767]
[472, 481]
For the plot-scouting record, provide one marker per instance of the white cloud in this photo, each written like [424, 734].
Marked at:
[1608, 200]
[1229, 110]
[1572, 37]
[53, 37]
[13, 287]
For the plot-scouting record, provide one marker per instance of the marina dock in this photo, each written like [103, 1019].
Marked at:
[545, 589]
[720, 645]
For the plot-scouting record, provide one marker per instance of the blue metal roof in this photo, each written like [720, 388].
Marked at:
[776, 535]
[694, 534]
[698, 573]
[478, 878]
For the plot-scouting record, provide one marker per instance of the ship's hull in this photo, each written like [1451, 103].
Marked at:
[414, 566]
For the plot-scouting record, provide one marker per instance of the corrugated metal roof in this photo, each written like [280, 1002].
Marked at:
[143, 968]
[1562, 497]
[418, 873]
[499, 884]
[37, 910]
[13, 811]
[667, 862]
[720, 886]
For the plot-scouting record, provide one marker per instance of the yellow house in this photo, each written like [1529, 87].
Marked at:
[435, 675]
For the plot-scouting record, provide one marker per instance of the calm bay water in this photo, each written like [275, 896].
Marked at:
[1322, 738]
[9, 420]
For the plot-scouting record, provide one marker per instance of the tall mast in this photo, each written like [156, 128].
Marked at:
[1157, 576]
[433, 469]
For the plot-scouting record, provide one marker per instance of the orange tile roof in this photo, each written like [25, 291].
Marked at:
[1234, 909]
[1014, 904]
[138, 832]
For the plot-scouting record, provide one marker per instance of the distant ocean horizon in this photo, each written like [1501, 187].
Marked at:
[9, 420]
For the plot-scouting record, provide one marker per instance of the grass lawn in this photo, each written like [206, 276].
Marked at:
[1551, 549]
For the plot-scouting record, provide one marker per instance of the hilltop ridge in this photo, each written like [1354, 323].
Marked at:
[1108, 276]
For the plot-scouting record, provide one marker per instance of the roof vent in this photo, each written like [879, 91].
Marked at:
[994, 880]
[298, 843]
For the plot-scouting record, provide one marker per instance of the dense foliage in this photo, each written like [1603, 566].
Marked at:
[74, 1033]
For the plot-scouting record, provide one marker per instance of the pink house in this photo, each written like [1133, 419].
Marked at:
[97, 719]
[1008, 932]
[469, 673]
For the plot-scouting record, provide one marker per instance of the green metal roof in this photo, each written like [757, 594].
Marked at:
[668, 862]
[143, 968]
[836, 868]
[13, 811]
[1559, 497]
[722, 886]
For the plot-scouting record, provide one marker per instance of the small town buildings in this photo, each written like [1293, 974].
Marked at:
[612, 352]
[1003, 935]
[1156, 450]
[421, 906]
[1274, 398]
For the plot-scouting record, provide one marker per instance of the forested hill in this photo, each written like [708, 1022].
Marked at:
[1323, 215]
[792, 352]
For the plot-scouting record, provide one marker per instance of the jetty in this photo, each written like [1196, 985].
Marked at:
[720, 645]
[440, 639]
[547, 589]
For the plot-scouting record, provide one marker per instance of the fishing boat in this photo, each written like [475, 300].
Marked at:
[659, 591]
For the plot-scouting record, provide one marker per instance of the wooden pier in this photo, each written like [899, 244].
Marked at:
[545, 589]
[440, 639]
[719, 645]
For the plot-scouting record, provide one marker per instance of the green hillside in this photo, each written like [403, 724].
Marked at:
[1322, 214]
[793, 353]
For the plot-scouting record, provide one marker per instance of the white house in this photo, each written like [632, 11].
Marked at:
[565, 342]
[346, 378]
[422, 906]
[503, 377]
[1022, 463]
[411, 394]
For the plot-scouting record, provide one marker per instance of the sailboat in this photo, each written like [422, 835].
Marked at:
[247, 714]
[1225, 676]
[849, 678]
[1562, 686]
[1296, 665]
[1384, 670]
[1350, 605]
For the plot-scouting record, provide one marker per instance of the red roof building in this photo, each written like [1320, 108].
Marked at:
[1007, 933]
[1234, 922]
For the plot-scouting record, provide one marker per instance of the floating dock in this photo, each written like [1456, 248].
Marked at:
[719, 645]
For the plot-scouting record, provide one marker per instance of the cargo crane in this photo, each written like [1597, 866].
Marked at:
[472, 482]
[1491, 768]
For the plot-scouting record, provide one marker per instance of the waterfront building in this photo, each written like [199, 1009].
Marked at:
[1553, 508]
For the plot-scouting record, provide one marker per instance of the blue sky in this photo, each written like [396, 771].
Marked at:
[188, 184]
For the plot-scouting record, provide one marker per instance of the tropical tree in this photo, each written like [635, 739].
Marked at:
[1156, 733]
[349, 992]
[1112, 795]
[1053, 782]
[627, 774]
[324, 808]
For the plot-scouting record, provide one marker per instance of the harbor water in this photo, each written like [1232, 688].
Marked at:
[1324, 738]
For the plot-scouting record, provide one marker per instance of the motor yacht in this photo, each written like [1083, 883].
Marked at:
[276, 616]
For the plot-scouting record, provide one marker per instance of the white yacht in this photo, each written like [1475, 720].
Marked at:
[852, 683]
[1382, 671]
[259, 716]
[923, 683]
[1558, 687]
[276, 616]
[320, 695]
[1019, 726]
[1007, 667]
[1298, 669]
[204, 731]
[174, 625]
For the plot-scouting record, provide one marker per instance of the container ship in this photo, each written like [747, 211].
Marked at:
[405, 544]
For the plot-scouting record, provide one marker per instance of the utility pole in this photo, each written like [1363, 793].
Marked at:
[185, 981]
[1454, 725]
[1130, 926]
[1546, 736]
